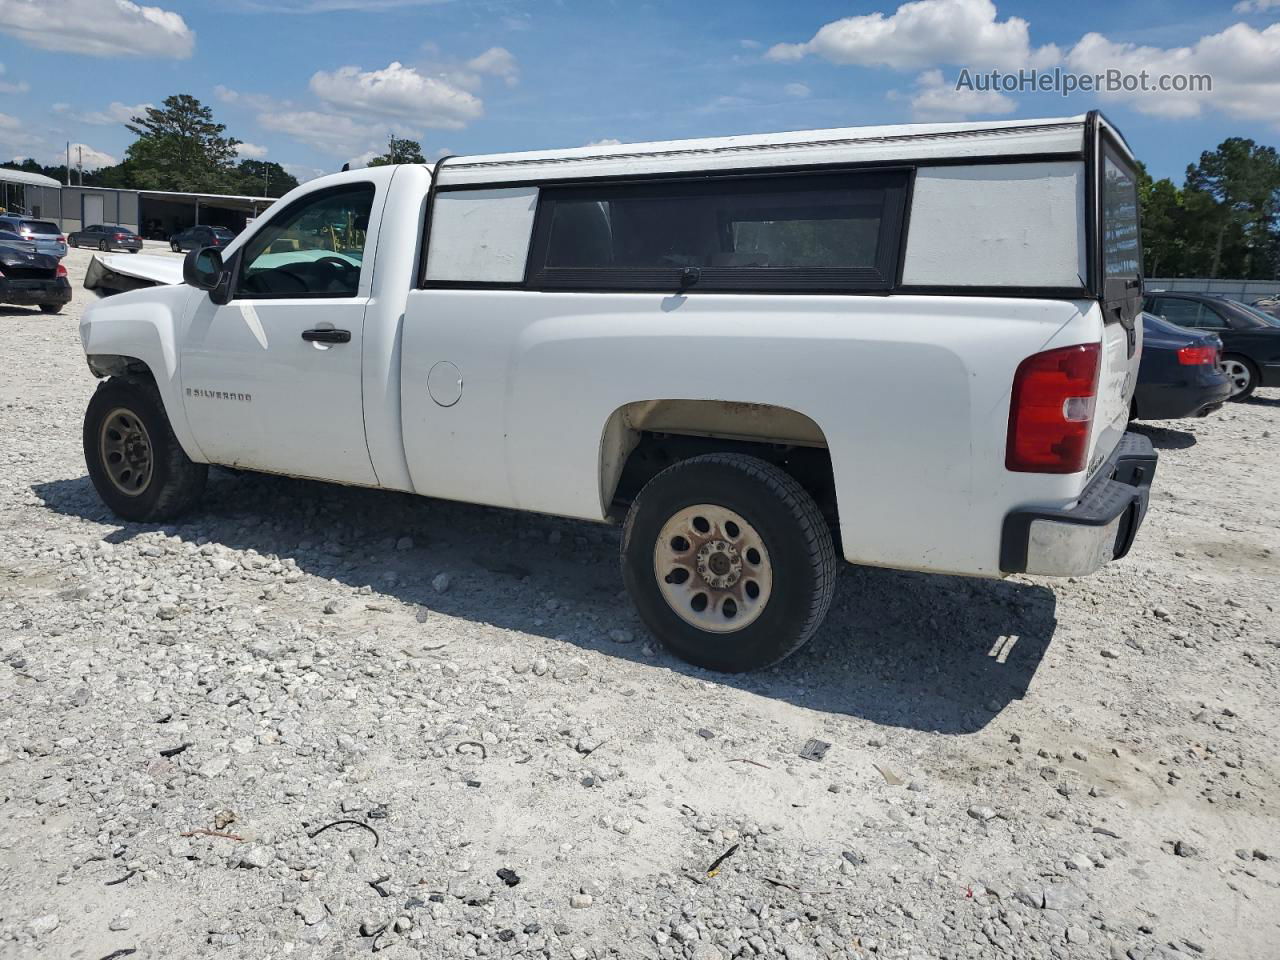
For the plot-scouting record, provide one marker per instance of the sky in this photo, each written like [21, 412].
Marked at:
[312, 84]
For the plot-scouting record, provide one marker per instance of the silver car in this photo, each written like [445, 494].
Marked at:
[47, 235]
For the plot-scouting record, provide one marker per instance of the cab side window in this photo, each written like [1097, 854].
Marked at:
[314, 248]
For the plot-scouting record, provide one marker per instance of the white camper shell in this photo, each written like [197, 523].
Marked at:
[914, 345]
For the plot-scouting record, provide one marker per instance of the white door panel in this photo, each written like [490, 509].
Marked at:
[259, 396]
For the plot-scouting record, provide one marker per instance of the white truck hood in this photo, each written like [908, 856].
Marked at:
[115, 273]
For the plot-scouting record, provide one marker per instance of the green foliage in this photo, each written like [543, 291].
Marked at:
[181, 147]
[263, 178]
[1223, 222]
[400, 151]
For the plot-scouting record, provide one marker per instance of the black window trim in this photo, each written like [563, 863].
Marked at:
[302, 201]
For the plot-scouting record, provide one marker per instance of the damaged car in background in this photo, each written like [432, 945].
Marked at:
[28, 277]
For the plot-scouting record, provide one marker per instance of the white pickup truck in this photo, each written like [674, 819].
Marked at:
[913, 346]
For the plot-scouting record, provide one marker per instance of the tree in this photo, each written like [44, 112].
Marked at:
[1237, 188]
[264, 178]
[400, 151]
[180, 147]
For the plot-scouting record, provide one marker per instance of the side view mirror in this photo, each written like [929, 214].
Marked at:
[203, 269]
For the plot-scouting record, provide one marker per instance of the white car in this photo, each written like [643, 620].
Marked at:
[909, 346]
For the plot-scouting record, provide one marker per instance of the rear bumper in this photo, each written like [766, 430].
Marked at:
[35, 292]
[1077, 540]
[1269, 375]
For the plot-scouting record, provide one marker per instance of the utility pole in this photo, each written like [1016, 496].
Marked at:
[266, 182]
[391, 146]
[68, 163]
[80, 163]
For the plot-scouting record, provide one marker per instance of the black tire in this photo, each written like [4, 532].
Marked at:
[174, 247]
[133, 251]
[795, 536]
[71, 241]
[50, 308]
[175, 483]
[1252, 370]
[104, 246]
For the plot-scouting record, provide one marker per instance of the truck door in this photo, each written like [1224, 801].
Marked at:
[271, 379]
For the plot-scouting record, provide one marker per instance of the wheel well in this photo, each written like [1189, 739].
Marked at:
[117, 365]
[643, 439]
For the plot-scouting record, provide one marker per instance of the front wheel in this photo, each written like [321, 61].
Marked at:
[1243, 376]
[104, 246]
[135, 462]
[174, 247]
[50, 308]
[729, 562]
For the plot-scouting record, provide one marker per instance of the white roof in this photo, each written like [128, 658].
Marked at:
[27, 179]
[913, 141]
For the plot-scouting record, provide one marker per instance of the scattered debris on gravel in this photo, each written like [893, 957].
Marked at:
[313, 721]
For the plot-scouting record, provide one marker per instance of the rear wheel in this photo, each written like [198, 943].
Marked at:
[1243, 376]
[133, 457]
[71, 242]
[174, 246]
[103, 245]
[729, 561]
[50, 308]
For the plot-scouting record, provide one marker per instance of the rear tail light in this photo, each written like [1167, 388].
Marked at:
[1195, 356]
[1051, 410]
[61, 271]
[62, 239]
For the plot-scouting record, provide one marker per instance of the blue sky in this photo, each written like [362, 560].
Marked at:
[314, 83]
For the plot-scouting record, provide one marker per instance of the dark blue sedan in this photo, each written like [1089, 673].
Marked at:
[1181, 374]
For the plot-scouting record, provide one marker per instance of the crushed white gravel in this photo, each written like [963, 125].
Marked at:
[312, 721]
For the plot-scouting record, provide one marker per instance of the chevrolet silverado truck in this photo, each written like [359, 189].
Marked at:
[907, 346]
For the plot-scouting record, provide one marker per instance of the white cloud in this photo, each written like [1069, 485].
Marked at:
[924, 34]
[1256, 6]
[400, 92]
[935, 99]
[797, 90]
[98, 28]
[9, 123]
[303, 172]
[362, 160]
[82, 153]
[331, 133]
[496, 62]
[750, 44]
[250, 151]
[606, 142]
[1240, 60]
[117, 112]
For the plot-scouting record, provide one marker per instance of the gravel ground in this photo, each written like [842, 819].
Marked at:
[1023, 769]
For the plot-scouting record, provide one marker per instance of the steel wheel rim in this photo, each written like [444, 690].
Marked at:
[1238, 374]
[125, 448]
[712, 568]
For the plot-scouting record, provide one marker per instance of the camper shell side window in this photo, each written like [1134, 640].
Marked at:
[794, 232]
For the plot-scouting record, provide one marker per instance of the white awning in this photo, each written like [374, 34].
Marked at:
[28, 179]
